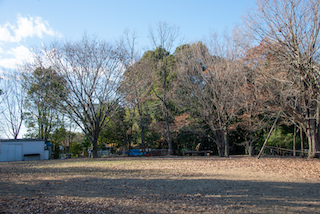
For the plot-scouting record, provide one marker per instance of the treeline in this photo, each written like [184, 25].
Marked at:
[222, 94]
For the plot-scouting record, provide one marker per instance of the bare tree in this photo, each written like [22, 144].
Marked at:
[163, 39]
[13, 113]
[2, 96]
[255, 113]
[2, 93]
[91, 72]
[208, 86]
[290, 29]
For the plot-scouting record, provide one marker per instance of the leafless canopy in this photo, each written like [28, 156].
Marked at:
[165, 36]
[290, 31]
[91, 72]
[208, 85]
[13, 100]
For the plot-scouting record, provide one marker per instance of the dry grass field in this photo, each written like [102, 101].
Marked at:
[161, 185]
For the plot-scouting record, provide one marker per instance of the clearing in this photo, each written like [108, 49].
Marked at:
[238, 184]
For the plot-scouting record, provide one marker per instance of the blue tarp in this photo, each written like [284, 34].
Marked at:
[48, 144]
[135, 152]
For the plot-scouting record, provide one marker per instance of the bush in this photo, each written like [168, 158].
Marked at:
[76, 149]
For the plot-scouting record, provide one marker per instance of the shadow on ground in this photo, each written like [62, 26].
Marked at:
[176, 193]
[106, 190]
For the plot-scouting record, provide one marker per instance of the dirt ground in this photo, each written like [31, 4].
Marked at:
[237, 184]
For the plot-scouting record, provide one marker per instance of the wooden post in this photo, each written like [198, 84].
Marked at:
[265, 142]
[301, 137]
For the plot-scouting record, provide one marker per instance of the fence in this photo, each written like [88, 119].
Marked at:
[284, 152]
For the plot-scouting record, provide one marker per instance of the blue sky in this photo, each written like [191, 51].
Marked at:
[24, 24]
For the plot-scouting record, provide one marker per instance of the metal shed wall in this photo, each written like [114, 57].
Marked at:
[15, 150]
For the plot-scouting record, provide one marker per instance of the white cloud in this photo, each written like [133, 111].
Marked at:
[26, 27]
[1, 74]
[14, 39]
[20, 54]
[5, 33]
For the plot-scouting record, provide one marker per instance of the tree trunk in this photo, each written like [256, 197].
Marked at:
[219, 140]
[128, 142]
[142, 139]
[168, 131]
[95, 136]
[311, 128]
[220, 143]
[317, 145]
[226, 143]
[294, 140]
[246, 146]
[95, 148]
[142, 129]
[302, 143]
[129, 138]
[220, 149]
[251, 148]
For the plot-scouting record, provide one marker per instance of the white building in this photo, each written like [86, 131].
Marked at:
[23, 150]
